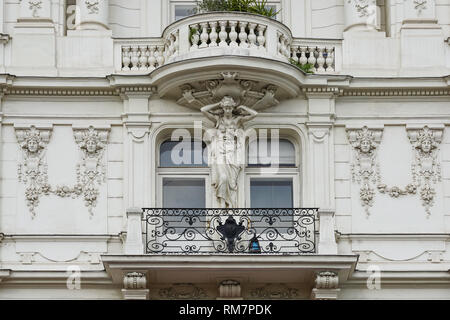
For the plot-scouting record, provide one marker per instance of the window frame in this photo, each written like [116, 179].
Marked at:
[282, 172]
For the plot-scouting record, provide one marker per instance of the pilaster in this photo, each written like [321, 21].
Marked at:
[137, 149]
[321, 112]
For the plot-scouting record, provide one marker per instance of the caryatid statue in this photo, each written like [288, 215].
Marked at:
[227, 147]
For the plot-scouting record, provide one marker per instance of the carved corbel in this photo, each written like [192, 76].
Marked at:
[135, 286]
[365, 167]
[229, 290]
[326, 286]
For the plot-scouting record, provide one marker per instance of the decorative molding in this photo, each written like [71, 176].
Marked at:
[182, 291]
[60, 92]
[32, 171]
[386, 92]
[426, 168]
[333, 90]
[274, 291]
[365, 167]
[396, 192]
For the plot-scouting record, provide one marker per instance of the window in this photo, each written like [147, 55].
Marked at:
[181, 9]
[184, 193]
[271, 193]
[183, 154]
[261, 153]
[272, 173]
[183, 174]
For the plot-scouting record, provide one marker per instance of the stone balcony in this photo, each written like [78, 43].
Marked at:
[219, 34]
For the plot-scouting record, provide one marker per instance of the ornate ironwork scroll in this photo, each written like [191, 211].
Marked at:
[230, 231]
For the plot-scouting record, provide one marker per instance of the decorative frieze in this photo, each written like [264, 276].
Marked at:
[274, 292]
[365, 167]
[183, 291]
[32, 170]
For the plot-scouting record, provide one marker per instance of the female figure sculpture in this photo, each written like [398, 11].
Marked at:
[227, 147]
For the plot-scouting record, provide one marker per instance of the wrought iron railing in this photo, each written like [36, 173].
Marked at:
[230, 231]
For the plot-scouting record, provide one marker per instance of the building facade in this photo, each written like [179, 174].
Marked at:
[122, 122]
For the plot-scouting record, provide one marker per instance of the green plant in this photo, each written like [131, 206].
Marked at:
[251, 6]
[306, 68]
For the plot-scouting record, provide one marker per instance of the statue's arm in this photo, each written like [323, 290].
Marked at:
[207, 111]
[250, 114]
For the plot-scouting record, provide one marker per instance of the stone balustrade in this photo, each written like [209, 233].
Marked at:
[321, 54]
[224, 33]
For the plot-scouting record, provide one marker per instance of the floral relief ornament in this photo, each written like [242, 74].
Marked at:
[92, 6]
[363, 6]
[426, 169]
[365, 168]
[32, 171]
[91, 171]
[35, 6]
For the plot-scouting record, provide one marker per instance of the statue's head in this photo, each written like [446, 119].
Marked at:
[227, 104]
[91, 145]
[32, 145]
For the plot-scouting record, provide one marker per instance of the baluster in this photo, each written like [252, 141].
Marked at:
[261, 37]
[312, 57]
[223, 35]
[294, 55]
[160, 56]
[126, 60]
[283, 45]
[171, 42]
[143, 58]
[288, 48]
[252, 35]
[195, 38]
[233, 34]
[243, 34]
[204, 37]
[213, 35]
[320, 60]
[134, 58]
[152, 59]
[303, 59]
[176, 44]
[330, 59]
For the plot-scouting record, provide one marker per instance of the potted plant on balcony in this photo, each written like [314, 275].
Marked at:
[251, 6]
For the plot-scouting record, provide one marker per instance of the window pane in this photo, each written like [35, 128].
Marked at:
[183, 193]
[184, 154]
[183, 10]
[271, 193]
[260, 155]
